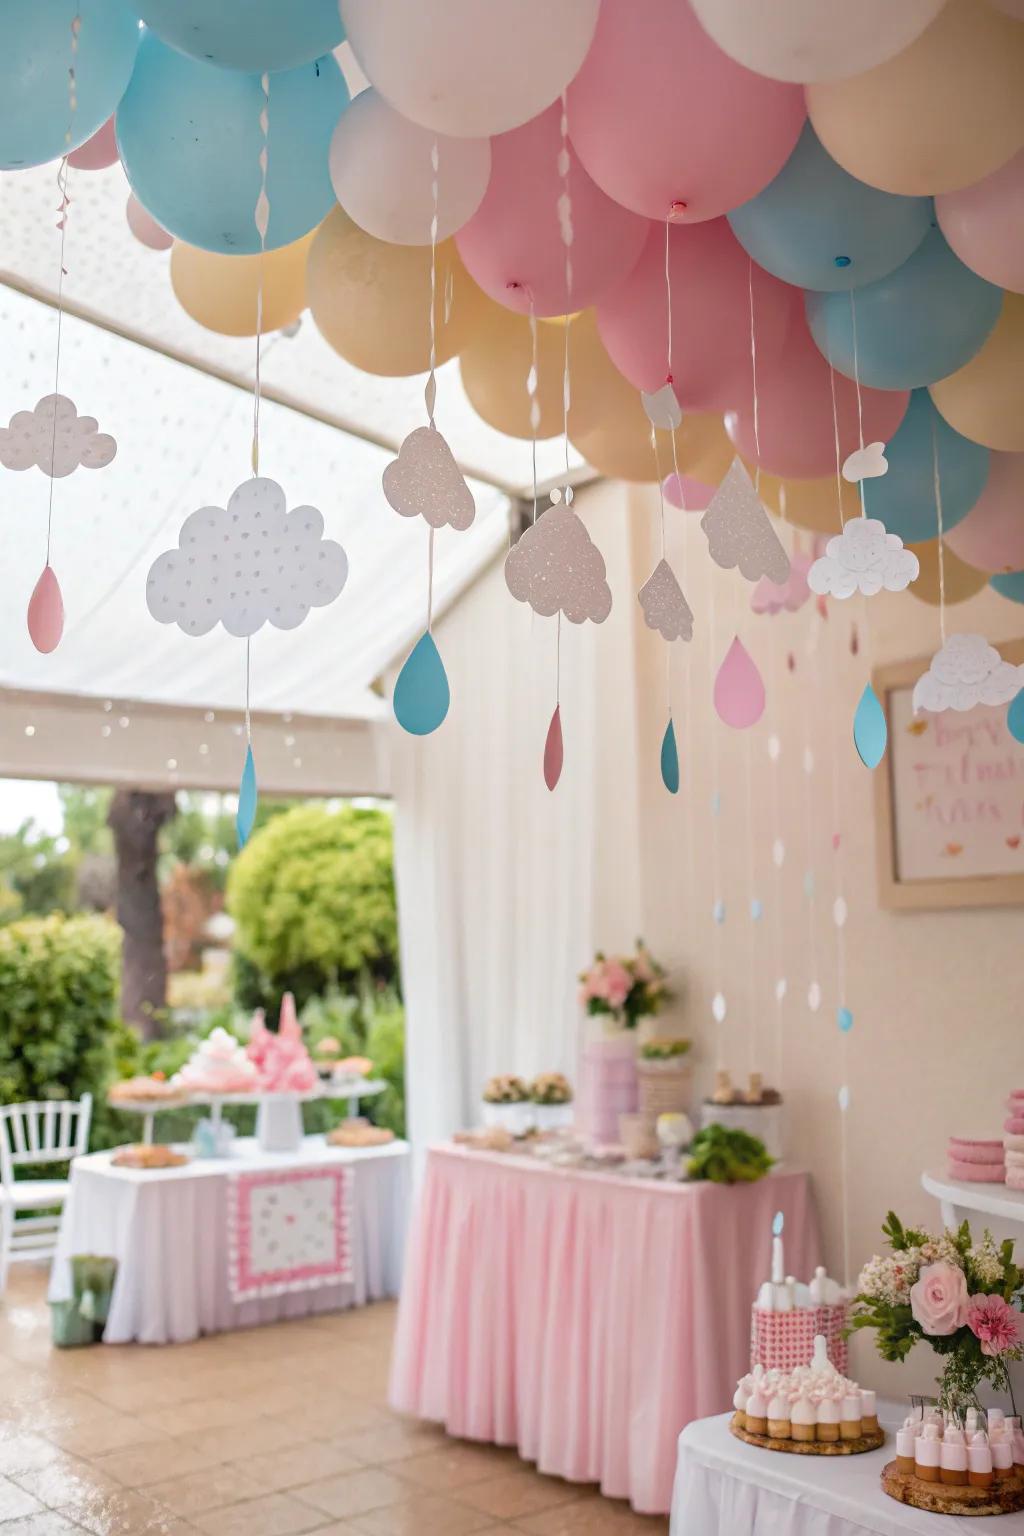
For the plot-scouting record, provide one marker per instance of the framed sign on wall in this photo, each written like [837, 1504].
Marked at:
[949, 800]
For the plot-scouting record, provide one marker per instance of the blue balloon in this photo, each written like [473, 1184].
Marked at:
[816, 226]
[922, 322]
[35, 55]
[189, 136]
[247, 34]
[904, 497]
[1011, 586]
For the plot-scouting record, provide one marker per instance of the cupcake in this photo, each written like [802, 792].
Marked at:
[827, 1427]
[953, 1457]
[778, 1417]
[905, 1442]
[849, 1417]
[928, 1454]
[979, 1461]
[868, 1411]
[756, 1413]
[803, 1417]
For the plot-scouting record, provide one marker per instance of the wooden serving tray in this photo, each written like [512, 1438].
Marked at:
[1004, 1497]
[869, 1442]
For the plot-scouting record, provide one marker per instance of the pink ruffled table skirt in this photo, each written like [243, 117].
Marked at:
[583, 1318]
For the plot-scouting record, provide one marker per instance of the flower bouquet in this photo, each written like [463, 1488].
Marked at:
[506, 1102]
[624, 988]
[963, 1298]
[551, 1096]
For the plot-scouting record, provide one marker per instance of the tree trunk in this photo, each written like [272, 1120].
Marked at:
[135, 818]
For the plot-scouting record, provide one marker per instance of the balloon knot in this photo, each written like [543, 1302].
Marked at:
[677, 208]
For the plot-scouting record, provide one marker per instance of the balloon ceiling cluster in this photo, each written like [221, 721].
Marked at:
[804, 220]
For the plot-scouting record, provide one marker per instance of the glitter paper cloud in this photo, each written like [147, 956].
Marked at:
[739, 530]
[55, 439]
[664, 606]
[556, 565]
[967, 671]
[863, 558]
[251, 564]
[426, 481]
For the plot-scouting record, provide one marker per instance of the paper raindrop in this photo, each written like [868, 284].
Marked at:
[1015, 717]
[553, 750]
[844, 1018]
[870, 731]
[865, 463]
[422, 695]
[718, 911]
[843, 1098]
[248, 795]
[814, 997]
[718, 1008]
[670, 760]
[739, 690]
[662, 408]
[46, 612]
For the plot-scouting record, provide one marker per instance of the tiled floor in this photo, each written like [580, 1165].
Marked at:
[272, 1432]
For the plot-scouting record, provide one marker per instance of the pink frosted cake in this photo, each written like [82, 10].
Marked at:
[218, 1065]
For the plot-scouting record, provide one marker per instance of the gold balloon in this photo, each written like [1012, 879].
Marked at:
[221, 291]
[984, 400]
[945, 112]
[960, 580]
[812, 504]
[495, 363]
[371, 300]
[609, 427]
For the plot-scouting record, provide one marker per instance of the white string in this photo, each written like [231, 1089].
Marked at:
[261, 218]
[531, 390]
[668, 302]
[835, 433]
[62, 224]
[839, 895]
[248, 672]
[753, 374]
[860, 404]
[716, 807]
[430, 391]
[773, 672]
[565, 226]
[430, 580]
[942, 553]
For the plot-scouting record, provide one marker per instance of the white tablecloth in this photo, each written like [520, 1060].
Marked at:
[168, 1231]
[725, 1487]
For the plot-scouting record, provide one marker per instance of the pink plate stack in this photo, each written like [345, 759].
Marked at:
[1013, 1139]
[978, 1162]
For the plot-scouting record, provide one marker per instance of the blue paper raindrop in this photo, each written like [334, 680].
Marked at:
[718, 911]
[778, 1222]
[1015, 717]
[670, 760]
[844, 1018]
[248, 796]
[870, 732]
[422, 695]
[756, 909]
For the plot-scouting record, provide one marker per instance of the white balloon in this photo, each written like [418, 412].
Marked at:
[467, 67]
[382, 173]
[803, 40]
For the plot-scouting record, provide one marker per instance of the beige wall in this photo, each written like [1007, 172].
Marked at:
[936, 997]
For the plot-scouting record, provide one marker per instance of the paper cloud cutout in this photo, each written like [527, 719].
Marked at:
[54, 438]
[967, 671]
[664, 606]
[253, 564]
[863, 558]
[663, 409]
[739, 531]
[556, 565]
[865, 463]
[789, 595]
[425, 481]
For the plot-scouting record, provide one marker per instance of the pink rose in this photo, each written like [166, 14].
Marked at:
[619, 983]
[939, 1299]
[596, 984]
[994, 1323]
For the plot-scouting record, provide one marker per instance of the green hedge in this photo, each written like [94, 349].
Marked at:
[59, 990]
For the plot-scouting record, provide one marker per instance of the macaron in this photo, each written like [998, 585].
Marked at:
[1014, 1178]
[978, 1173]
[1014, 1123]
[966, 1151]
[1013, 1159]
[1013, 1143]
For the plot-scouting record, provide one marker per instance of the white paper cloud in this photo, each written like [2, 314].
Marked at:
[863, 558]
[739, 530]
[54, 438]
[426, 481]
[967, 671]
[865, 463]
[556, 565]
[252, 564]
[662, 408]
[664, 606]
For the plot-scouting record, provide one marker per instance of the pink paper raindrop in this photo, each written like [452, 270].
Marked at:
[553, 752]
[739, 690]
[46, 613]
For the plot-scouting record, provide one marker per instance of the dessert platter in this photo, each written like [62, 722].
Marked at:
[811, 1410]
[951, 1469]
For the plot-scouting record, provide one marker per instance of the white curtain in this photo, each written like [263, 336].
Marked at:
[505, 889]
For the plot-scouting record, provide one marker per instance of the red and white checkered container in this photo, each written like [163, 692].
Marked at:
[780, 1341]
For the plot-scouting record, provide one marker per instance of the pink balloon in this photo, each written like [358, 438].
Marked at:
[789, 595]
[661, 116]
[795, 425]
[991, 536]
[690, 496]
[46, 612]
[513, 244]
[739, 689]
[984, 224]
[98, 152]
[145, 228]
[710, 273]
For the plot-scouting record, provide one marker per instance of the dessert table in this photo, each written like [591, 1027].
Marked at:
[168, 1230]
[583, 1317]
[724, 1486]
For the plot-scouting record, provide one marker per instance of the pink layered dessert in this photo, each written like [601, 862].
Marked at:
[281, 1060]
